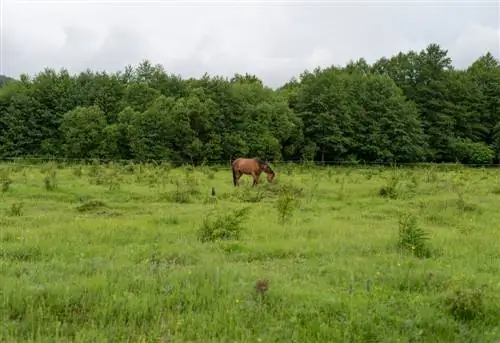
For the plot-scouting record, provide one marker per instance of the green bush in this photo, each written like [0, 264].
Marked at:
[469, 152]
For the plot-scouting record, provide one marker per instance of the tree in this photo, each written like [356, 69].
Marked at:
[83, 132]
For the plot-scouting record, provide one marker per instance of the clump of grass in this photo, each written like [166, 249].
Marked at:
[288, 169]
[77, 171]
[495, 190]
[285, 207]
[16, 209]
[91, 205]
[48, 167]
[227, 226]
[184, 190]
[95, 168]
[466, 305]
[172, 220]
[252, 195]
[459, 187]
[180, 195]
[464, 206]
[391, 188]
[341, 193]
[431, 175]
[208, 172]
[50, 180]
[5, 180]
[291, 189]
[412, 238]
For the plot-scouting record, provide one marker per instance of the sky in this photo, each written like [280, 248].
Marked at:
[274, 39]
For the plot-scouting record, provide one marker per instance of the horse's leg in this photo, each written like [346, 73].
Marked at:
[238, 176]
[255, 179]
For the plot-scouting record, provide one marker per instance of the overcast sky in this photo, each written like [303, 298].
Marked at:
[274, 40]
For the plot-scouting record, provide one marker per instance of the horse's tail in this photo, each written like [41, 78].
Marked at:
[234, 175]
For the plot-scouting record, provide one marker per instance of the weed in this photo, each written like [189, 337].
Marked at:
[77, 171]
[224, 226]
[390, 189]
[341, 193]
[181, 194]
[285, 207]
[50, 180]
[412, 238]
[16, 209]
[466, 304]
[252, 195]
[6, 181]
[95, 168]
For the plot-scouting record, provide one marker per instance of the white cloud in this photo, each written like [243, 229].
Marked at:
[273, 41]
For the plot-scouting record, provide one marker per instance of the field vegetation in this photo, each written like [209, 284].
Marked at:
[124, 252]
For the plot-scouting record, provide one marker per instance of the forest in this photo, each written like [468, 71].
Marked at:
[412, 107]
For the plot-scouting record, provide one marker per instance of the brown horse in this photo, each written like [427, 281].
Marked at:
[251, 166]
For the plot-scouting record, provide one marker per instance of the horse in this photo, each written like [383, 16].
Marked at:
[251, 166]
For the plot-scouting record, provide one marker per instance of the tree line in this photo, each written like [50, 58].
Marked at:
[411, 107]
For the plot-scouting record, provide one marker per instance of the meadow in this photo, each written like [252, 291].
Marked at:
[145, 253]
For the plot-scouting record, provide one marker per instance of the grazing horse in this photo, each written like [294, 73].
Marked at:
[251, 166]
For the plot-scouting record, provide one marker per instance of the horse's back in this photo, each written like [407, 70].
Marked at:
[245, 164]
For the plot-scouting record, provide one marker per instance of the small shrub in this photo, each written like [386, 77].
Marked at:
[292, 190]
[16, 209]
[50, 180]
[412, 238]
[224, 226]
[390, 189]
[252, 195]
[95, 168]
[466, 305]
[179, 195]
[6, 182]
[285, 207]
[173, 220]
[464, 206]
[461, 203]
[77, 171]
[112, 179]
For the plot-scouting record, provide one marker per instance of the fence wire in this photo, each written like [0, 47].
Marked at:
[33, 161]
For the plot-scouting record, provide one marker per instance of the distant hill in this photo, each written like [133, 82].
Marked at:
[4, 79]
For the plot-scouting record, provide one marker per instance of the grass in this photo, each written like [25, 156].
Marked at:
[131, 253]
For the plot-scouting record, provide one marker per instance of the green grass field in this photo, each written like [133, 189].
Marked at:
[129, 253]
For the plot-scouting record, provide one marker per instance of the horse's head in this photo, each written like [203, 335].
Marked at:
[266, 168]
[270, 176]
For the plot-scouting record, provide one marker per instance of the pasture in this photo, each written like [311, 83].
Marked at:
[136, 253]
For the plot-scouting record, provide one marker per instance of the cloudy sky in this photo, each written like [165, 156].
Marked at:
[274, 39]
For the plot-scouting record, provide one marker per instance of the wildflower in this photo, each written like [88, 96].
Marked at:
[262, 286]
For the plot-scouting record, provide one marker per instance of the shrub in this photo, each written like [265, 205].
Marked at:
[412, 238]
[223, 227]
[469, 152]
[466, 305]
